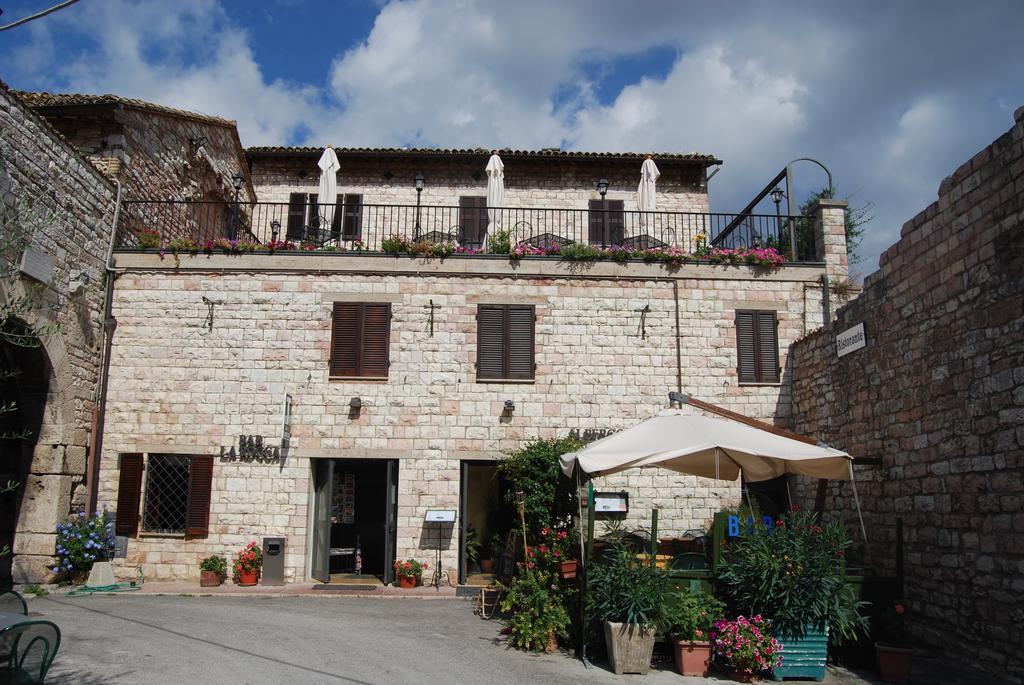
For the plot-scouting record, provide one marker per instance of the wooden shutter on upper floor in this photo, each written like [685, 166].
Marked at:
[129, 493]
[472, 221]
[296, 216]
[757, 346]
[520, 342]
[339, 203]
[361, 339]
[200, 491]
[607, 221]
[490, 341]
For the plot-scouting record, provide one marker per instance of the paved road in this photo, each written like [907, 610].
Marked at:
[255, 640]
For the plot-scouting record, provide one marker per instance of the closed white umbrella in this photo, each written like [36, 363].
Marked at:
[495, 190]
[328, 186]
[708, 447]
[646, 195]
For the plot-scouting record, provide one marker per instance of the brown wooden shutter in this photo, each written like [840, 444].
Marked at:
[596, 219]
[616, 222]
[490, 341]
[767, 347]
[374, 356]
[129, 492]
[352, 226]
[312, 214]
[200, 490]
[519, 342]
[345, 330]
[746, 346]
[472, 221]
[339, 203]
[296, 216]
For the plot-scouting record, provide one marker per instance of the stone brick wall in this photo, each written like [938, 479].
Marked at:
[938, 396]
[71, 210]
[177, 386]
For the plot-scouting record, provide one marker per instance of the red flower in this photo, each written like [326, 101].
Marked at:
[899, 608]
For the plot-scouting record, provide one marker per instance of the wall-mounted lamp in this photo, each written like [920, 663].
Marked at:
[355, 405]
[237, 181]
[275, 230]
[602, 187]
[510, 406]
[420, 183]
[677, 399]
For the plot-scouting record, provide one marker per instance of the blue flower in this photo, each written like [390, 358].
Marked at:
[55, 569]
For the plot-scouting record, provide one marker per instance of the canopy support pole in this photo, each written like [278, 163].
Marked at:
[746, 491]
[585, 576]
[860, 516]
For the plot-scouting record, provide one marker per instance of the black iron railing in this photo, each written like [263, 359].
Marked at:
[367, 226]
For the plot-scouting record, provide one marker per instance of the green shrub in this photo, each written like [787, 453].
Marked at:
[580, 252]
[793, 574]
[216, 563]
[549, 498]
[499, 242]
[537, 610]
[690, 615]
[395, 245]
[625, 589]
[36, 590]
[82, 540]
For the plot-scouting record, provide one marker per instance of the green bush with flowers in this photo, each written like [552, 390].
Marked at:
[409, 568]
[83, 540]
[746, 645]
[690, 615]
[554, 546]
[249, 560]
[538, 610]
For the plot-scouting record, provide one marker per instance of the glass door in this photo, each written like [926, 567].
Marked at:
[390, 520]
[323, 485]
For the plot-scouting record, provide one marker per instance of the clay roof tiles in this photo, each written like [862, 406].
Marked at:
[44, 100]
[545, 153]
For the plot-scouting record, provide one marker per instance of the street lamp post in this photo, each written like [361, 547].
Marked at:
[602, 188]
[777, 196]
[421, 183]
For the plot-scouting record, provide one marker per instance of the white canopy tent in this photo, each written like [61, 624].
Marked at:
[709, 447]
[328, 186]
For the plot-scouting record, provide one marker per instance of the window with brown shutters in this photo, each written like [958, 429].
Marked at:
[360, 340]
[347, 223]
[472, 221]
[129, 493]
[296, 216]
[505, 342]
[757, 346]
[178, 489]
[607, 220]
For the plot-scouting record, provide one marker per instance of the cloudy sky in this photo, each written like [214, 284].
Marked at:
[892, 96]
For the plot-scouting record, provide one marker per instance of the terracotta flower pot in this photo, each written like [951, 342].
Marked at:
[248, 578]
[209, 579]
[568, 569]
[487, 565]
[894, 663]
[692, 658]
[552, 645]
[743, 677]
[407, 582]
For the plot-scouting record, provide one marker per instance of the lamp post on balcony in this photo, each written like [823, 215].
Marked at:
[602, 189]
[421, 183]
[237, 181]
[777, 196]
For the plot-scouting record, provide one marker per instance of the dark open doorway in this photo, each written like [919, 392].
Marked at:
[354, 518]
[486, 518]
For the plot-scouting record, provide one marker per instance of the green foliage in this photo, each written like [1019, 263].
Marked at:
[472, 545]
[549, 497]
[580, 252]
[216, 563]
[690, 615]
[855, 217]
[36, 590]
[499, 242]
[395, 245]
[625, 589]
[538, 610]
[426, 248]
[410, 568]
[495, 547]
[82, 540]
[794, 574]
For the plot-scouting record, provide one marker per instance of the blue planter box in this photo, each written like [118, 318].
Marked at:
[803, 659]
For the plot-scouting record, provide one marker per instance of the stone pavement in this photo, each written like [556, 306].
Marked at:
[255, 639]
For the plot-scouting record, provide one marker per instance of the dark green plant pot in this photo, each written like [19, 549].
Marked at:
[803, 658]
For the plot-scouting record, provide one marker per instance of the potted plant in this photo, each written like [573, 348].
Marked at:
[747, 647]
[554, 552]
[689, 618]
[247, 565]
[537, 609]
[409, 572]
[795, 575]
[490, 552]
[212, 571]
[894, 655]
[628, 595]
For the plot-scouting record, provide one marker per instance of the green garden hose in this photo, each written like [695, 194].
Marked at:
[116, 587]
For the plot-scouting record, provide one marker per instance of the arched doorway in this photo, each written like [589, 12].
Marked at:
[25, 375]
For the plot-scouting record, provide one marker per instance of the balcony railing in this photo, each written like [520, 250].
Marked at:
[344, 227]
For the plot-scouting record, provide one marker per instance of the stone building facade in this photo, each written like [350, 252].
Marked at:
[937, 395]
[65, 206]
[208, 348]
